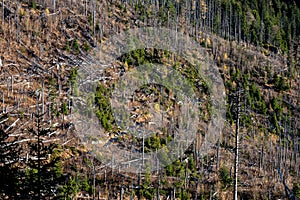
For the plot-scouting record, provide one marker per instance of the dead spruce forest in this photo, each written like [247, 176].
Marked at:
[44, 44]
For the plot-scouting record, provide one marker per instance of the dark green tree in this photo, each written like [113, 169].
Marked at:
[43, 176]
[9, 156]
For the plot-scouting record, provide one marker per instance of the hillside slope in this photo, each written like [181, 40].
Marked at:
[44, 43]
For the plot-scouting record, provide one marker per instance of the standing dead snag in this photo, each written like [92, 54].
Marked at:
[236, 159]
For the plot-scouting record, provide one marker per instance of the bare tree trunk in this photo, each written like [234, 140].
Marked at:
[38, 149]
[236, 161]
[94, 179]
[218, 154]
[121, 189]
[139, 186]
[2, 12]
[3, 109]
[43, 97]
[158, 192]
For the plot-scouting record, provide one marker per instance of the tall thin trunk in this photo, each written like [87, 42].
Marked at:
[3, 109]
[236, 161]
[121, 189]
[38, 149]
[139, 186]
[158, 192]
[2, 12]
[94, 180]
[218, 153]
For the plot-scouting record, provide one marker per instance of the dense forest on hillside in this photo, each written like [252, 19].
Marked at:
[44, 47]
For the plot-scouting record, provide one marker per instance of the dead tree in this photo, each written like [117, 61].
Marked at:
[289, 193]
[237, 132]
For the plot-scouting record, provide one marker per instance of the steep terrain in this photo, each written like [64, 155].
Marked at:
[43, 45]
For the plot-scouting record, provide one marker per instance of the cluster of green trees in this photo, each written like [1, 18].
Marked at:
[34, 168]
[254, 101]
[264, 23]
[104, 111]
[273, 24]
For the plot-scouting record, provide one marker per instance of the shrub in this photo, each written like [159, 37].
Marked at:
[64, 108]
[68, 49]
[76, 46]
[34, 6]
[296, 190]
[224, 175]
[73, 76]
[87, 47]
[280, 83]
[104, 111]
[275, 105]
